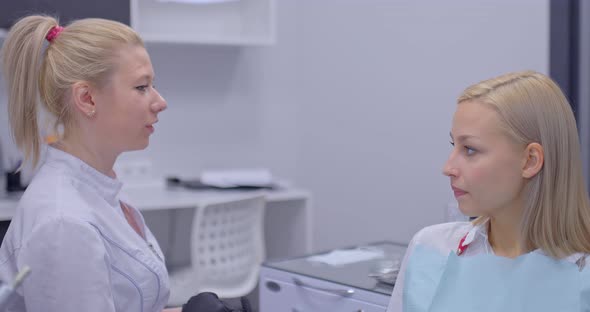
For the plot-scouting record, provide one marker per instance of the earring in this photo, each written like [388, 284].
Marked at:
[91, 113]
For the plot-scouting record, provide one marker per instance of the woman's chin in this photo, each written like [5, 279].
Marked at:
[469, 211]
[137, 146]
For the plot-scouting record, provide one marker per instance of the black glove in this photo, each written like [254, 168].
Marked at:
[245, 305]
[209, 302]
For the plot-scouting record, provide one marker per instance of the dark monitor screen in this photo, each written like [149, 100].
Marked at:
[65, 10]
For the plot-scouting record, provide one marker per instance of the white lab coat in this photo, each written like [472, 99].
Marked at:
[70, 230]
[445, 239]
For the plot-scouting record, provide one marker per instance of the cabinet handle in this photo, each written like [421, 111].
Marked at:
[341, 292]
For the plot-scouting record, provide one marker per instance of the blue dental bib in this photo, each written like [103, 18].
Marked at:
[436, 282]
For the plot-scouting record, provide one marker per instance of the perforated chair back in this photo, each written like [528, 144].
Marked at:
[227, 248]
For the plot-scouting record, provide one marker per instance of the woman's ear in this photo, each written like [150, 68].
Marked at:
[534, 158]
[82, 98]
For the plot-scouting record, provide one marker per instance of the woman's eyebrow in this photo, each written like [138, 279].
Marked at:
[463, 137]
[147, 76]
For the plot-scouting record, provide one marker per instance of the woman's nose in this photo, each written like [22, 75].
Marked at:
[449, 169]
[160, 103]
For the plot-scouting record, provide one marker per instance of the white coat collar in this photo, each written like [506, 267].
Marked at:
[105, 186]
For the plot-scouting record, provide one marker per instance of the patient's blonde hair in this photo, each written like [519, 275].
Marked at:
[84, 51]
[532, 108]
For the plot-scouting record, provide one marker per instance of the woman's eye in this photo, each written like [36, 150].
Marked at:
[468, 150]
[141, 88]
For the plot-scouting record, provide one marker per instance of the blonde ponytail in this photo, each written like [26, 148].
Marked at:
[21, 62]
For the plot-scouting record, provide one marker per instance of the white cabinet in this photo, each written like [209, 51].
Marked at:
[305, 285]
[279, 293]
[233, 22]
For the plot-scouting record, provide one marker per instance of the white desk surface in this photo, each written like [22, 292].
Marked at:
[161, 198]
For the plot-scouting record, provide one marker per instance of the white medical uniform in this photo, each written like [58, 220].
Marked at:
[69, 228]
[445, 239]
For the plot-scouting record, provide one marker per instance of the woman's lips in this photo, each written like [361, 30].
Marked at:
[458, 192]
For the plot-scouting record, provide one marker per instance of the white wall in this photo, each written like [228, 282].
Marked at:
[353, 103]
[381, 79]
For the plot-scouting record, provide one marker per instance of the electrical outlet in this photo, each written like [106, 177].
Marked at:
[143, 169]
[135, 170]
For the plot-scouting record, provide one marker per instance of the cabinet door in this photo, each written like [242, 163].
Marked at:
[286, 297]
[66, 10]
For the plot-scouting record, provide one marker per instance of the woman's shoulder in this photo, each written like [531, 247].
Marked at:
[47, 195]
[443, 236]
[51, 197]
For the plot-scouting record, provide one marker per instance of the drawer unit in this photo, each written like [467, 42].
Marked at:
[287, 292]
[300, 285]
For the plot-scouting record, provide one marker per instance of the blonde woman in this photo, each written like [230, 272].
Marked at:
[87, 249]
[516, 164]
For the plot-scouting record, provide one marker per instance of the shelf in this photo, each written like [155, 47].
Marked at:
[237, 22]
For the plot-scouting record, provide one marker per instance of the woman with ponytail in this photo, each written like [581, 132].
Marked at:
[87, 248]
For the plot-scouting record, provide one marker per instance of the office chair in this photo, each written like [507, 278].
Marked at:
[226, 249]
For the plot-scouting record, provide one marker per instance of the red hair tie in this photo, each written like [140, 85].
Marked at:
[53, 32]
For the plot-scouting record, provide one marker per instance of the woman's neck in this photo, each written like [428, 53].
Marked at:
[504, 234]
[91, 155]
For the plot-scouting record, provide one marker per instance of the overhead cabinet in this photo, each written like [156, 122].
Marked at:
[227, 22]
